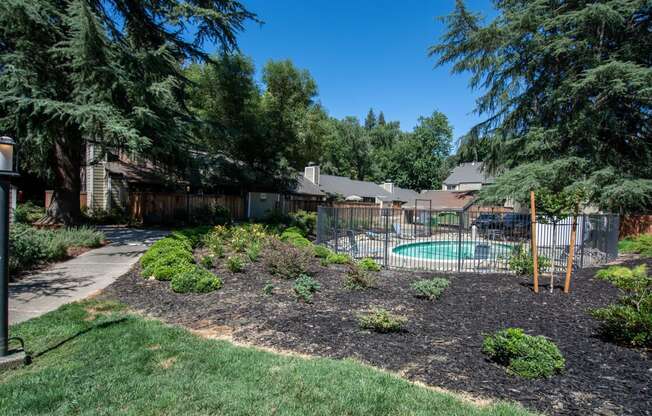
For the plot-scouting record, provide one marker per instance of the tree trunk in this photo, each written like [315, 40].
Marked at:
[554, 255]
[66, 166]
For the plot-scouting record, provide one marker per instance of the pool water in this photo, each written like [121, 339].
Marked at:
[448, 250]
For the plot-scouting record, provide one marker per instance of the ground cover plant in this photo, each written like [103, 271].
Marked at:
[287, 261]
[629, 320]
[94, 355]
[521, 262]
[524, 355]
[369, 264]
[305, 287]
[641, 244]
[357, 278]
[381, 320]
[195, 279]
[30, 247]
[430, 288]
[236, 264]
[28, 212]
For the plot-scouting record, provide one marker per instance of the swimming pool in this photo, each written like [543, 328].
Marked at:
[448, 250]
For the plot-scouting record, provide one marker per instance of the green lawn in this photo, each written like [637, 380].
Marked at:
[94, 358]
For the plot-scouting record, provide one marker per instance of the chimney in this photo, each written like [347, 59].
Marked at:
[388, 186]
[311, 172]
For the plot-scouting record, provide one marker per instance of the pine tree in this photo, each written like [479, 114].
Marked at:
[563, 80]
[74, 70]
[381, 119]
[370, 121]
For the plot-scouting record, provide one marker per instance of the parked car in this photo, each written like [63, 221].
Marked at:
[488, 221]
[514, 221]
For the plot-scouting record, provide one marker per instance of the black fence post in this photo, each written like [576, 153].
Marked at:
[584, 229]
[459, 241]
[385, 252]
[335, 224]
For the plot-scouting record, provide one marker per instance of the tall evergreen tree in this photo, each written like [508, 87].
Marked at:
[381, 119]
[370, 120]
[563, 80]
[109, 71]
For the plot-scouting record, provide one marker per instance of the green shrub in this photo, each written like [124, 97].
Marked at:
[358, 278]
[641, 244]
[29, 247]
[294, 236]
[338, 258]
[207, 261]
[430, 288]
[195, 280]
[268, 289]
[629, 320]
[28, 213]
[521, 262]
[235, 264]
[322, 252]
[369, 264]
[524, 355]
[380, 320]
[163, 248]
[293, 231]
[304, 287]
[287, 261]
[305, 221]
[193, 236]
[166, 267]
[253, 251]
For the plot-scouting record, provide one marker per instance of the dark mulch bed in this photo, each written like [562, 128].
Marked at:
[442, 343]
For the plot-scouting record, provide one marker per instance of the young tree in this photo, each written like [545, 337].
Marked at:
[381, 119]
[563, 80]
[108, 71]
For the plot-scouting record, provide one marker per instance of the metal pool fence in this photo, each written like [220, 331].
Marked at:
[469, 241]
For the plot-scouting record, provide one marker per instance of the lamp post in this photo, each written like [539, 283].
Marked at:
[7, 171]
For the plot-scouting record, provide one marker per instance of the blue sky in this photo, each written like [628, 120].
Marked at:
[366, 53]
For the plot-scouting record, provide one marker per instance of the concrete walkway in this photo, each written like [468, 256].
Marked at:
[44, 291]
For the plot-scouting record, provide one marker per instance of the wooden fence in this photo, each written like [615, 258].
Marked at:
[161, 207]
[632, 225]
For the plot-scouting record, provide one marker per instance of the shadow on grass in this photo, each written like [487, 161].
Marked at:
[61, 343]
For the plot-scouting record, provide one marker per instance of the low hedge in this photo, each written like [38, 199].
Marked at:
[524, 355]
[30, 247]
[195, 279]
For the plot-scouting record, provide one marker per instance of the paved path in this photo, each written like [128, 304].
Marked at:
[44, 291]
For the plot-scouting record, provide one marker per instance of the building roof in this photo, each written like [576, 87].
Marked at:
[340, 185]
[135, 174]
[305, 187]
[405, 195]
[447, 200]
[468, 173]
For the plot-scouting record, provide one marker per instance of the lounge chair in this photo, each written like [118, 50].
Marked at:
[355, 252]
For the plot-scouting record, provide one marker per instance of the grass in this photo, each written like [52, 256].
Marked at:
[95, 358]
[641, 244]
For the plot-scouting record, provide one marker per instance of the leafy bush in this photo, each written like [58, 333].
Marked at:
[358, 278]
[338, 258]
[28, 213]
[167, 266]
[322, 252]
[380, 320]
[304, 287]
[522, 262]
[641, 244]
[305, 221]
[430, 288]
[293, 230]
[294, 236]
[253, 251]
[630, 319]
[174, 246]
[210, 215]
[29, 247]
[268, 289]
[524, 355]
[287, 261]
[194, 236]
[369, 264]
[235, 264]
[196, 280]
[207, 261]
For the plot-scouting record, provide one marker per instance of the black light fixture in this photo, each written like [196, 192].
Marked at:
[8, 358]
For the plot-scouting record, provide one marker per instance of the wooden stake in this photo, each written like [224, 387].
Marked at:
[535, 257]
[571, 254]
